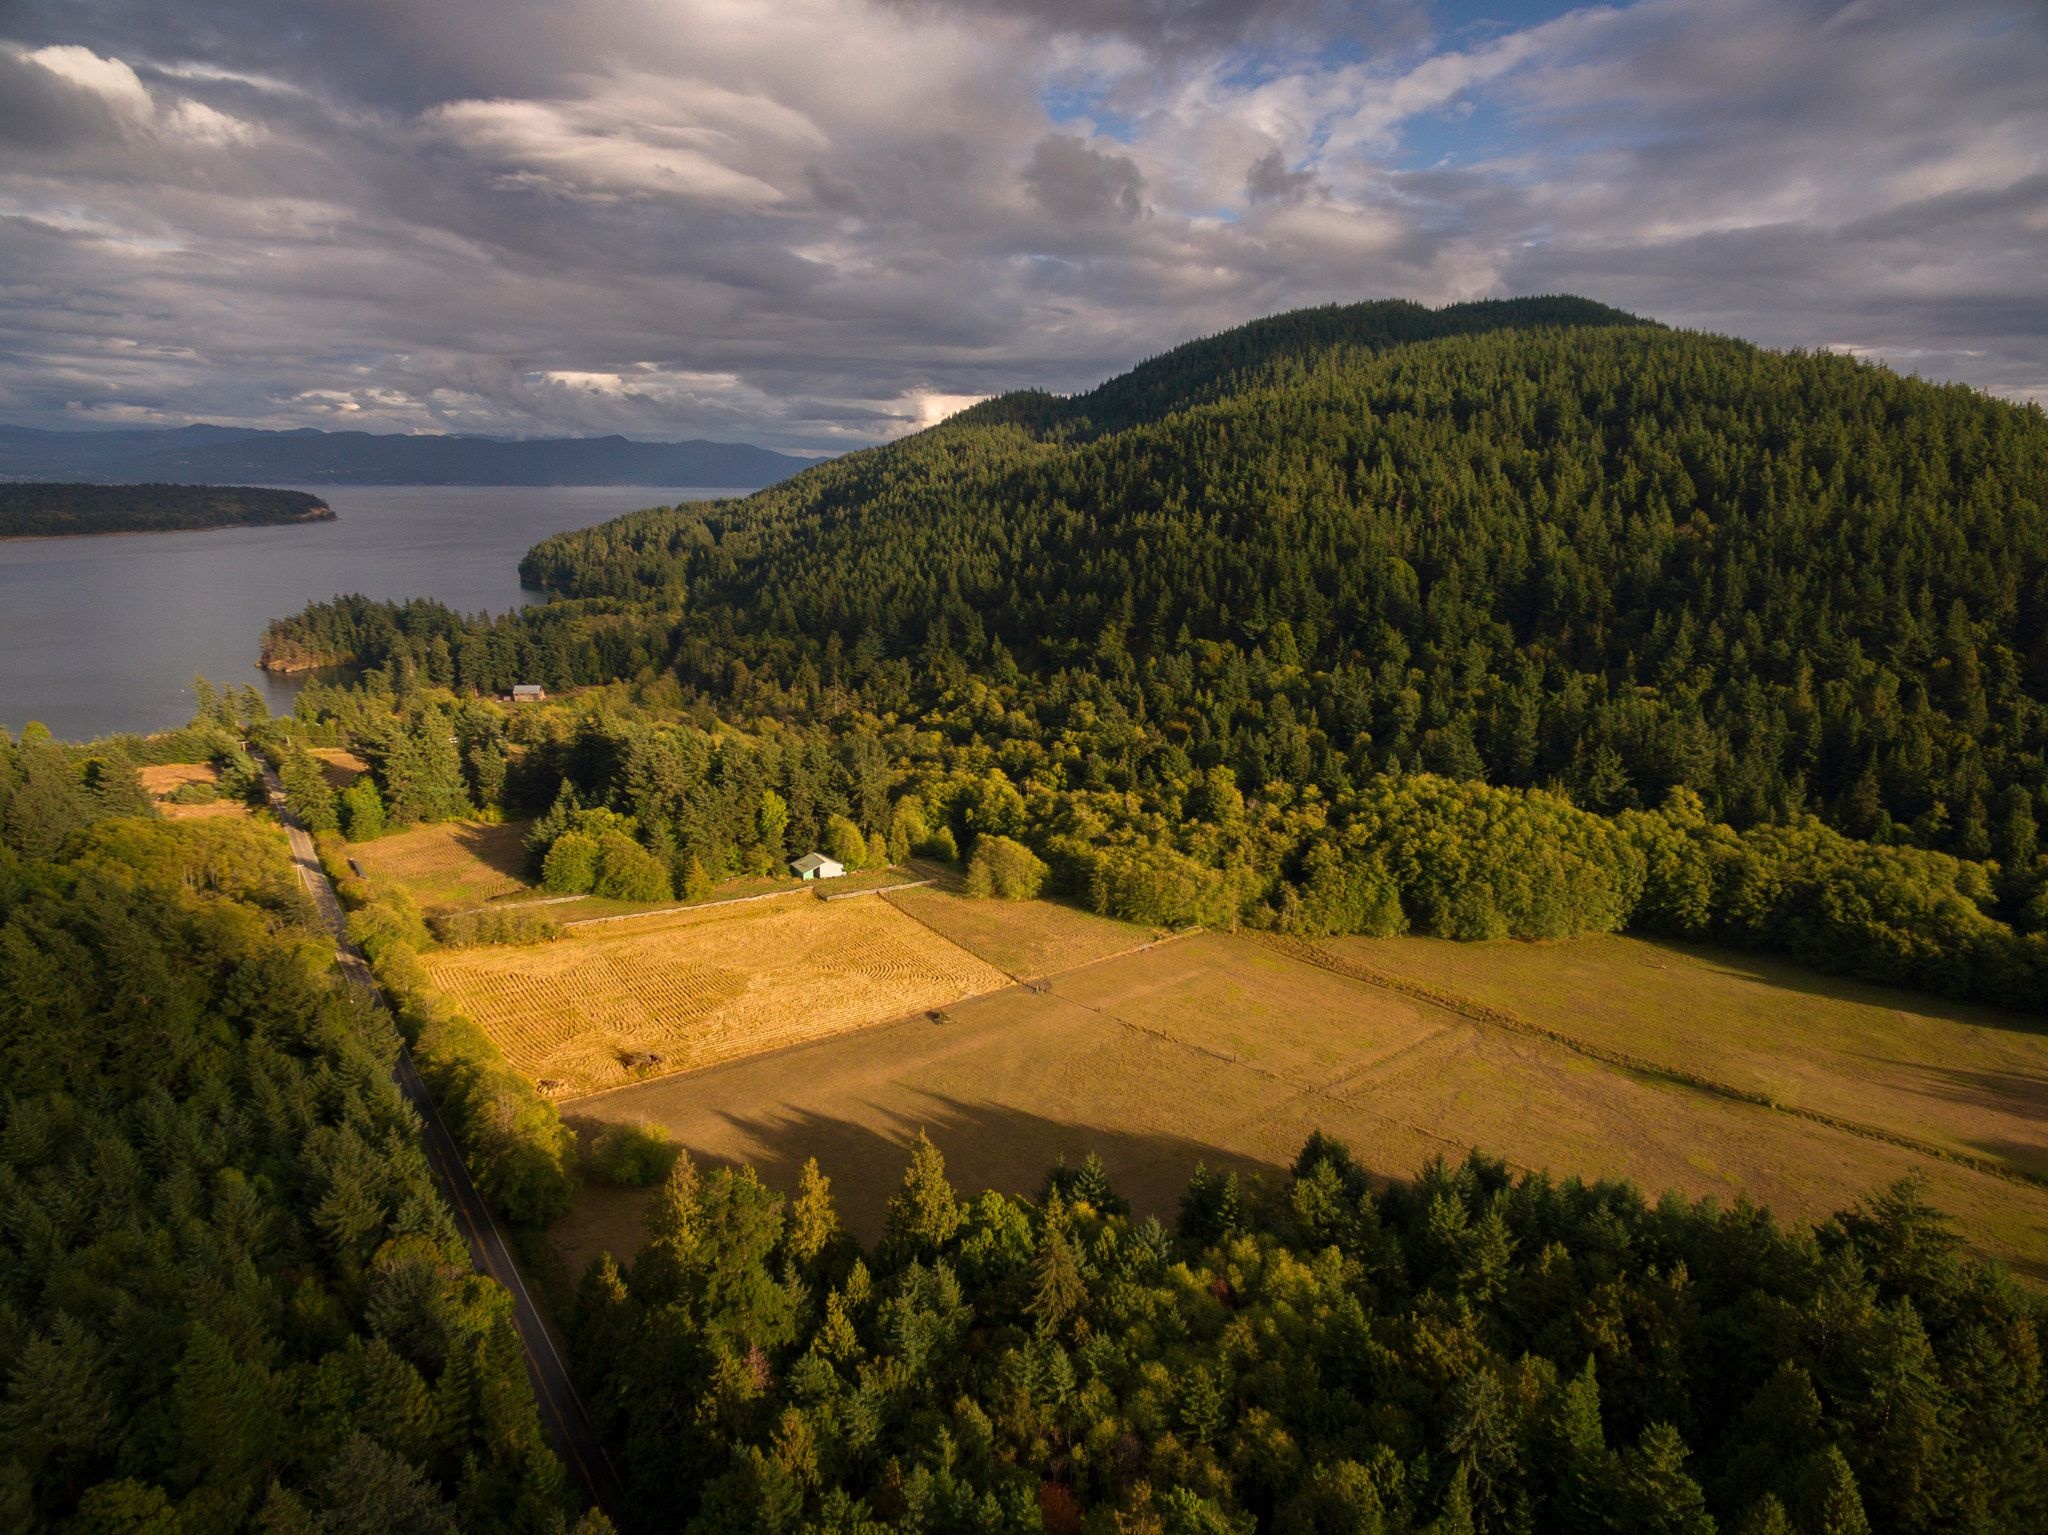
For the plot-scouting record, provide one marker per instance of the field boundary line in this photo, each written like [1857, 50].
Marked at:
[1015, 979]
[1138, 948]
[732, 900]
[1310, 953]
[1329, 1092]
[915, 1015]
[1046, 976]
[670, 911]
[854, 895]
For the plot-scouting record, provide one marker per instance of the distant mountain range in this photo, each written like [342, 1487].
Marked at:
[239, 455]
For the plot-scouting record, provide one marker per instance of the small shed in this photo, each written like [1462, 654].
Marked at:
[528, 692]
[816, 866]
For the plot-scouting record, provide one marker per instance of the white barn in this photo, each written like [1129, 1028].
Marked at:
[816, 866]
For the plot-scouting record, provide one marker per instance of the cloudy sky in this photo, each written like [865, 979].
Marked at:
[815, 223]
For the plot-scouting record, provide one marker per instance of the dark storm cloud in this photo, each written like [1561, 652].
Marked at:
[816, 222]
[1270, 181]
[42, 113]
[1179, 25]
[1078, 184]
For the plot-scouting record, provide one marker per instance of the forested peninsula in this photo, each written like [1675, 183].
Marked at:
[55, 510]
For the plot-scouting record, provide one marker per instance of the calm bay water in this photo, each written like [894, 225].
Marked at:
[99, 635]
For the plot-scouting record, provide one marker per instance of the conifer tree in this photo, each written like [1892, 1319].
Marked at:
[1058, 1291]
[923, 1214]
[225, 1412]
[1653, 1493]
[1827, 1497]
[813, 1222]
[1766, 1516]
[1581, 1468]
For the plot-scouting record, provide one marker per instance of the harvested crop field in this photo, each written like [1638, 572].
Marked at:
[450, 863]
[1024, 938]
[688, 989]
[1228, 1050]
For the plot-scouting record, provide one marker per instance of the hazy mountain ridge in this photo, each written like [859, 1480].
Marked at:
[309, 456]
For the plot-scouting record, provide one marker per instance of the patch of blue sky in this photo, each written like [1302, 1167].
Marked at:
[1469, 129]
[1463, 22]
[1448, 26]
[1072, 103]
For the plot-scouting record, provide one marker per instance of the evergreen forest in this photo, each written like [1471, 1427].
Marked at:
[1466, 1351]
[231, 1297]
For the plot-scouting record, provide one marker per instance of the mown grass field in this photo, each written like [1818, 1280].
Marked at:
[449, 863]
[1228, 1050]
[698, 987]
[1971, 1080]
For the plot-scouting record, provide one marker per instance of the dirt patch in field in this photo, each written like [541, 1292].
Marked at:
[677, 991]
[164, 779]
[1219, 1049]
[338, 765]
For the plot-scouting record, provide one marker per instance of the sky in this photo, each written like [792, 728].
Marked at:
[813, 224]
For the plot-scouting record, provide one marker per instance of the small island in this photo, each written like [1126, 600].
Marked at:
[70, 511]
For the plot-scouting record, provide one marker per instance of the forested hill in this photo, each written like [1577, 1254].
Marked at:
[1599, 555]
[1199, 372]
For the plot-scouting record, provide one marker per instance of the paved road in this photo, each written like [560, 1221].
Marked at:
[561, 1409]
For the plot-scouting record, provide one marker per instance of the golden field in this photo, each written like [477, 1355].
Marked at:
[701, 986]
[449, 863]
[1230, 1050]
[1023, 938]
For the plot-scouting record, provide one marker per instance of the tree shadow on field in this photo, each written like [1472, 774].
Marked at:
[2019, 1093]
[985, 1146]
[1782, 973]
[499, 846]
